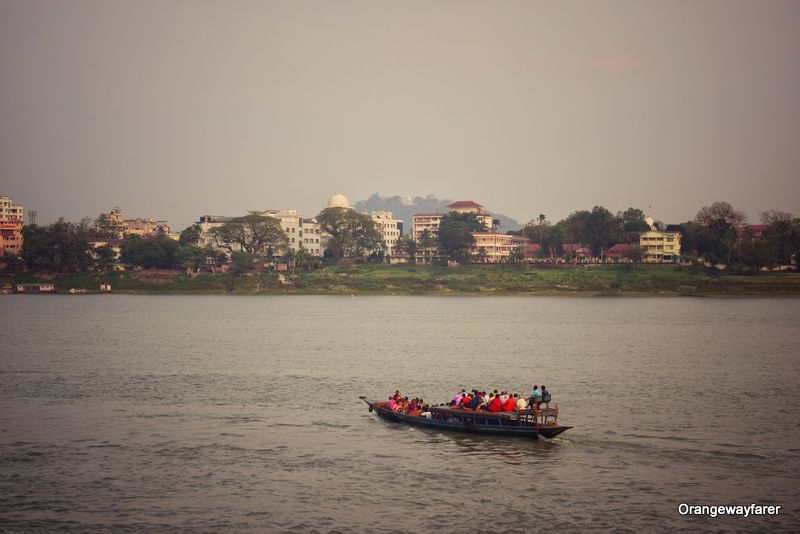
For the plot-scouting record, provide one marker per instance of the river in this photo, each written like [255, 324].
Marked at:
[227, 413]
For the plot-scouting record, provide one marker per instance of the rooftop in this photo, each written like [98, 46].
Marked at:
[464, 204]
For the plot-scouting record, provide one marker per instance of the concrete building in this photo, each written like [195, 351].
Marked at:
[112, 223]
[430, 221]
[143, 227]
[114, 243]
[302, 233]
[390, 229]
[10, 211]
[206, 223]
[494, 247]
[11, 237]
[313, 238]
[660, 246]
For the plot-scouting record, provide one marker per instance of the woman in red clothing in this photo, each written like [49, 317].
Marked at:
[495, 405]
[510, 405]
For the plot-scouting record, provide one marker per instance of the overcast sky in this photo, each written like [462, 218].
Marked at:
[178, 109]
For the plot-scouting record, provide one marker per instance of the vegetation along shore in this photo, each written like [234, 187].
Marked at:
[582, 280]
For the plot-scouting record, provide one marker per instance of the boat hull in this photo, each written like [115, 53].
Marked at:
[472, 422]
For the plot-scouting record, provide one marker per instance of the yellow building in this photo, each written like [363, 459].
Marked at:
[11, 238]
[144, 227]
[111, 223]
[659, 246]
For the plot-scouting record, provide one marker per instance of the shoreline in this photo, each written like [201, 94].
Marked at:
[476, 280]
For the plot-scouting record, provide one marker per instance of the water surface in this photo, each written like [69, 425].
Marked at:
[210, 413]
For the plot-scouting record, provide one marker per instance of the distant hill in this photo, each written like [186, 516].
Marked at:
[405, 208]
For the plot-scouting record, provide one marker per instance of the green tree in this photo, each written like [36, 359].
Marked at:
[719, 223]
[602, 230]
[634, 255]
[193, 257]
[406, 245]
[104, 257]
[305, 261]
[780, 234]
[190, 235]
[243, 261]
[156, 252]
[353, 234]
[455, 235]
[633, 220]
[60, 247]
[255, 234]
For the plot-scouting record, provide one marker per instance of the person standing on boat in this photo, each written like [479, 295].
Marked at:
[536, 398]
[545, 396]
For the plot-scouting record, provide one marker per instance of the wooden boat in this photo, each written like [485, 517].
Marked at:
[526, 423]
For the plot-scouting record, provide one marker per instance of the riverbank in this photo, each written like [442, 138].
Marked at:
[589, 280]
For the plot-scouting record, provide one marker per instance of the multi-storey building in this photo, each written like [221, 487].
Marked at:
[313, 238]
[302, 234]
[111, 223]
[11, 237]
[390, 229]
[11, 223]
[494, 247]
[428, 223]
[206, 223]
[431, 221]
[142, 227]
[9, 211]
[660, 246]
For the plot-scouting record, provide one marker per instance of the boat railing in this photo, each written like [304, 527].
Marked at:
[538, 417]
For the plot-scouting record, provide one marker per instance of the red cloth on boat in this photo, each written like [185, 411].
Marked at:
[495, 405]
[510, 405]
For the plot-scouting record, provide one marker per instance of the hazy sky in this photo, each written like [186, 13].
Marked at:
[177, 109]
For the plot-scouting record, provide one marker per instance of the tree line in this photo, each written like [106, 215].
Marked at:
[717, 234]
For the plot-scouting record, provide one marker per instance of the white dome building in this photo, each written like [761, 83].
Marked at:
[338, 201]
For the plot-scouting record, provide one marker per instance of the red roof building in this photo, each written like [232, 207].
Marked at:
[617, 252]
[465, 205]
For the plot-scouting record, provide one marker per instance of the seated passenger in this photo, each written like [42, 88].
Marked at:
[521, 403]
[510, 404]
[495, 405]
[392, 403]
[466, 401]
[475, 403]
[397, 395]
[457, 399]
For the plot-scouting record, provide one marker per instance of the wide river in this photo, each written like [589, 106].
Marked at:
[224, 413]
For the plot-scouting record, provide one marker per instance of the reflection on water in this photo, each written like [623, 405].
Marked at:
[236, 413]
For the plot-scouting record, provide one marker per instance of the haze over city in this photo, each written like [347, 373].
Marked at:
[177, 109]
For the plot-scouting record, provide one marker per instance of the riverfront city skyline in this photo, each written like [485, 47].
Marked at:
[174, 109]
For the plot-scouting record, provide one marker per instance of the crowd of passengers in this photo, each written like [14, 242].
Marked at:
[476, 400]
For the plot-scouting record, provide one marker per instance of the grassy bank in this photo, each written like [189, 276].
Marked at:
[667, 280]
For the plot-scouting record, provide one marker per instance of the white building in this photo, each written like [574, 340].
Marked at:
[302, 233]
[8, 210]
[390, 229]
[206, 224]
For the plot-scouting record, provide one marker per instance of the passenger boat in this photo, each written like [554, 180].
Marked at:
[526, 423]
